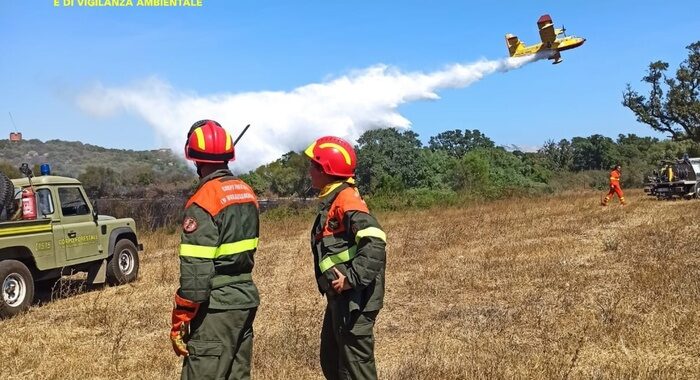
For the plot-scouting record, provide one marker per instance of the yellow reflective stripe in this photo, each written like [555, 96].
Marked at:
[200, 138]
[206, 252]
[370, 232]
[340, 149]
[333, 260]
[201, 251]
[25, 230]
[237, 247]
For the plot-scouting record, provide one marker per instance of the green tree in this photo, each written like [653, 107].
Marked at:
[671, 150]
[456, 143]
[388, 153]
[287, 176]
[633, 148]
[508, 174]
[595, 152]
[142, 175]
[534, 167]
[472, 173]
[99, 181]
[557, 156]
[9, 170]
[495, 172]
[673, 105]
[436, 170]
[258, 182]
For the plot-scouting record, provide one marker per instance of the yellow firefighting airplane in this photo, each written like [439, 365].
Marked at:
[550, 43]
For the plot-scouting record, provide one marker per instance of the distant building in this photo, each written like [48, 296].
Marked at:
[15, 136]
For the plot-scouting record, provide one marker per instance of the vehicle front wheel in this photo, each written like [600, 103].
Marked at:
[16, 288]
[123, 266]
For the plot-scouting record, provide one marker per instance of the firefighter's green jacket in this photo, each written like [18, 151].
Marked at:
[347, 237]
[219, 238]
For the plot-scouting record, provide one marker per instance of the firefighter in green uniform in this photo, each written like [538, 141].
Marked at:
[348, 245]
[212, 322]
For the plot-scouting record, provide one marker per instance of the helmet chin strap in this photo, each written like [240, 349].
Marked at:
[199, 169]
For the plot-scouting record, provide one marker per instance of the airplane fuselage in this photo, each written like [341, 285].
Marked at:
[560, 44]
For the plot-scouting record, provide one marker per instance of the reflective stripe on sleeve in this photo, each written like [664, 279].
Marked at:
[237, 247]
[200, 251]
[206, 252]
[370, 232]
[333, 260]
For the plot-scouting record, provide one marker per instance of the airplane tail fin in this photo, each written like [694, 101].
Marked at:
[514, 44]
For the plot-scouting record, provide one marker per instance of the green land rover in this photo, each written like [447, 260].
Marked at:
[63, 235]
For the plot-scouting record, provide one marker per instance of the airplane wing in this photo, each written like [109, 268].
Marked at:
[546, 26]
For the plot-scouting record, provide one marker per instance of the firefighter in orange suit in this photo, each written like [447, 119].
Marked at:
[614, 187]
[215, 305]
[348, 245]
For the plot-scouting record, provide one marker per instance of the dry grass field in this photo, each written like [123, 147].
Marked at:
[554, 287]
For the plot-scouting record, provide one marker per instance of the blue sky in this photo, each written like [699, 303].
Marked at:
[52, 55]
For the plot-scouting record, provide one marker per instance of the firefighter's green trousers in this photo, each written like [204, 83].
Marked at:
[220, 345]
[347, 344]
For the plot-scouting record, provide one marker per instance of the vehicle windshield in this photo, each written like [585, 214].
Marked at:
[72, 201]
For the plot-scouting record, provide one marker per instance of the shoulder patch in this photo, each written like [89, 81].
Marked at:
[189, 225]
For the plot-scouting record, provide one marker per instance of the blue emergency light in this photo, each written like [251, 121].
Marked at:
[45, 169]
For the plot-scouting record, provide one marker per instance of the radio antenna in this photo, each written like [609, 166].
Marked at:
[241, 135]
[12, 120]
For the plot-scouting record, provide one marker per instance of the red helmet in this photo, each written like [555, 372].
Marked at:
[208, 141]
[335, 156]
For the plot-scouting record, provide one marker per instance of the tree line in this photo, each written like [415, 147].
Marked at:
[393, 161]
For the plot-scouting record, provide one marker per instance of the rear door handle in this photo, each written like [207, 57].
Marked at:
[71, 234]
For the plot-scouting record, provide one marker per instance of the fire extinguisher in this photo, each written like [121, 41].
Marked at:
[28, 203]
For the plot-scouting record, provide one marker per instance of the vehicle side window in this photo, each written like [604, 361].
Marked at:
[45, 201]
[72, 201]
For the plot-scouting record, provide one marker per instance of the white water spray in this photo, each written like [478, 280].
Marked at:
[284, 121]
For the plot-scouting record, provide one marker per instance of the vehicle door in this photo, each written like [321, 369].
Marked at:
[49, 250]
[80, 238]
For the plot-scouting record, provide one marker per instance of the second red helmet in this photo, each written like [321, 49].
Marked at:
[335, 156]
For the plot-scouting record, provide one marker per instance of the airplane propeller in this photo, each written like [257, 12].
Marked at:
[563, 29]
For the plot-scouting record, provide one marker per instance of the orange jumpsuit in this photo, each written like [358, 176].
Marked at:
[614, 188]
